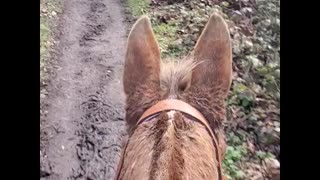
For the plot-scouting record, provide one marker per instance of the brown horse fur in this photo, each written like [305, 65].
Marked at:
[171, 146]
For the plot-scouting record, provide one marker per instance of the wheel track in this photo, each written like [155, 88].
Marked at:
[86, 101]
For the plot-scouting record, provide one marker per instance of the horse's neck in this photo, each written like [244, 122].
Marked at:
[169, 147]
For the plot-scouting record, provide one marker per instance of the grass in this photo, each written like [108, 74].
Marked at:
[164, 32]
[166, 36]
[44, 37]
[48, 11]
[138, 7]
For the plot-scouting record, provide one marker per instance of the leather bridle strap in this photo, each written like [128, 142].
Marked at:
[185, 108]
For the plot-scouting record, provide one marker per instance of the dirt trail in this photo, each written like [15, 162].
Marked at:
[85, 120]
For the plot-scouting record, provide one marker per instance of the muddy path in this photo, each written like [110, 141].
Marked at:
[85, 119]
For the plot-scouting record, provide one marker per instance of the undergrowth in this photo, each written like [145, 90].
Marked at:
[253, 105]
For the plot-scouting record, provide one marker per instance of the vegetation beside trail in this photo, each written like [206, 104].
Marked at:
[49, 10]
[253, 106]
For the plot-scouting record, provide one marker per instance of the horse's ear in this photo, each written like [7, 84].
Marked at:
[214, 49]
[142, 64]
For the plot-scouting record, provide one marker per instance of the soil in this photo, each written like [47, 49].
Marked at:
[82, 130]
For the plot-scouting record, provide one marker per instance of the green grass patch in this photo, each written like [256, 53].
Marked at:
[165, 34]
[168, 40]
[44, 37]
[48, 11]
[138, 7]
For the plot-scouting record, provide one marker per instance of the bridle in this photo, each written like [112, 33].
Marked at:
[184, 108]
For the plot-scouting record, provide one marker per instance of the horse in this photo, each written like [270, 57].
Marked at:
[175, 107]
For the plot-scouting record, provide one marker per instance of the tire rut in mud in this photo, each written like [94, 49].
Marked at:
[102, 121]
[99, 146]
[90, 83]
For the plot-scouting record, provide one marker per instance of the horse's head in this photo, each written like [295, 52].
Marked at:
[201, 80]
[205, 87]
